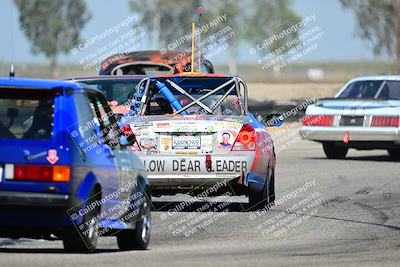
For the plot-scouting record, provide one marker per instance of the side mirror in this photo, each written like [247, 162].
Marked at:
[273, 120]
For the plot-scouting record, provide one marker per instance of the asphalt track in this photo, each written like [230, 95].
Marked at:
[328, 212]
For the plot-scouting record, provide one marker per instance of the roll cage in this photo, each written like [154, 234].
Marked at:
[148, 87]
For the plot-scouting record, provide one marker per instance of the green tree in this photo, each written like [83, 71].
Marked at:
[379, 23]
[53, 26]
[167, 20]
[249, 19]
[265, 17]
[253, 20]
[234, 11]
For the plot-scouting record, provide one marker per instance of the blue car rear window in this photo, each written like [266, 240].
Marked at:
[26, 114]
[117, 90]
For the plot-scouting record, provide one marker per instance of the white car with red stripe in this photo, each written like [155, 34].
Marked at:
[365, 114]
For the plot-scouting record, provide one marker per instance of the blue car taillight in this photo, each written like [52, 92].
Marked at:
[37, 173]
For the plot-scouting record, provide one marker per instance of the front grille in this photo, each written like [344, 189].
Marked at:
[352, 121]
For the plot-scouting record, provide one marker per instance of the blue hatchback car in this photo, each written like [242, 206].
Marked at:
[64, 173]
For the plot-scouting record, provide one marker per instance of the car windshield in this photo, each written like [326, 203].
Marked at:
[26, 115]
[117, 90]
[379, 89]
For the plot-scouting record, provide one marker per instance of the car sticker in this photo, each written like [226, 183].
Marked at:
[165, 143]
[207, 143]
[226, 139]
[149, 143]
[163, 125]
[187, 153]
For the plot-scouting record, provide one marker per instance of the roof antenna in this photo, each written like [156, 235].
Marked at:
[12, 72]
[200, 12]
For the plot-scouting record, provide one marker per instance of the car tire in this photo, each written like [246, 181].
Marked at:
[333, 151]
[138, 238]
[271, 189]
[258, 200]
[83, 237]
[394, 153]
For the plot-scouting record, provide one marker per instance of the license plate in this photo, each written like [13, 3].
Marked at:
[186, 142]
[352, 121]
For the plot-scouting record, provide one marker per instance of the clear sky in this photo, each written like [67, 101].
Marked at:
[338, 44]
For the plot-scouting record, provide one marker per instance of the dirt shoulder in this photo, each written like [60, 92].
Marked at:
[291, 91]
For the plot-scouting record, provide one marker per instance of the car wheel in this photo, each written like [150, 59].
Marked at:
[139, 237]
[258, 200]
[333, 151]
[394, 154]
[271, 189]
[83, 237]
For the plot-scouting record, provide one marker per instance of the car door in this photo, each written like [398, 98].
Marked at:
[107, 141]
[127, 163]
[126, 168]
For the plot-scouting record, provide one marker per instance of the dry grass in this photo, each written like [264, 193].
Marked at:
[291, 91]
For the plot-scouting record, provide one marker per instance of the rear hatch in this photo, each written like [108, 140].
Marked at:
[187, 135]
[31, 155]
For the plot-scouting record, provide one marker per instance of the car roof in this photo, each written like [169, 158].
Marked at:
[195, 75]
[155, 56]
[377, 78]
[151, 55]
[108, 77]
[37, 83]
[140, 77]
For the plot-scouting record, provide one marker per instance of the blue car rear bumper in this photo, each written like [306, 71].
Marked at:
[32, 214]
[9, 198]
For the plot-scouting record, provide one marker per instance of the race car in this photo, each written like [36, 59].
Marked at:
[64, 173]
[151, 63]
[117, 89]
[365, 114]
[194, 131]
